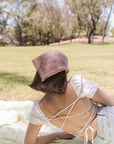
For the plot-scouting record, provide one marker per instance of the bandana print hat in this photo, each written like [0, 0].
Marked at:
[50, 63]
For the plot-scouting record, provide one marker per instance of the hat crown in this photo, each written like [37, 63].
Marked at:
[49, 63]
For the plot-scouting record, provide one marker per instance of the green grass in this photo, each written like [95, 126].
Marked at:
[94, 62]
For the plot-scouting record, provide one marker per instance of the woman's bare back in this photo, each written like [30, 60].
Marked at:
[52, 104]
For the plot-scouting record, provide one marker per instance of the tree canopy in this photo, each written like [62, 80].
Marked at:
[40, 22]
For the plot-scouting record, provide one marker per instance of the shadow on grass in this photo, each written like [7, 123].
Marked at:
[12, 77]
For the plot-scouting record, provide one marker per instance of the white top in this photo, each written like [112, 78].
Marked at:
[83, 88]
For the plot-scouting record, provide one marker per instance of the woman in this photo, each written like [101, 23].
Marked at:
[70, 105]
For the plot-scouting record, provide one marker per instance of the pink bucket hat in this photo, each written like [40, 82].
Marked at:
[50, 63]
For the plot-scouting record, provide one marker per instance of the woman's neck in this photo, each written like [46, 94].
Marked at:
[53, 97]
[58, 99]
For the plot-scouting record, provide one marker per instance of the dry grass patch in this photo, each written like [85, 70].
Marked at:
[95, 62]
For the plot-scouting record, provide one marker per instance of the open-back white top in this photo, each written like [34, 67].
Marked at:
[83, 88]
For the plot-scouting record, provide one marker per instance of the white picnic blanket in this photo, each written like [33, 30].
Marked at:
[14, 117]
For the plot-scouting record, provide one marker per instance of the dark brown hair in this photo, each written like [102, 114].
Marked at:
[54, 84]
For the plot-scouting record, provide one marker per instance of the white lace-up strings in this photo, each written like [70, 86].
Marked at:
[69, 112]
[70, 116]
[67, 116]
[80, 131]
[86, 135]
[54, 117]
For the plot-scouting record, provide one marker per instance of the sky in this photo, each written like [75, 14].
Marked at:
[112, 20]
[111, 24]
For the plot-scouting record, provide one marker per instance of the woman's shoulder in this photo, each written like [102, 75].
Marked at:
[37, 116]
[82, 86]
[36, 101]
[37, 108]
[76, 80]
[75, 76]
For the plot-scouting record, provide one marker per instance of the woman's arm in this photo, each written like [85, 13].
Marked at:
[50, 137]
[31, 134]
[32, 138]
[103, 98]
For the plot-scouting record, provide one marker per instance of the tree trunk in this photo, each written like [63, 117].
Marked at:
[89, 39]
[33, 42]
[40, 37]
[60, 38]
[71, 37]
[48, 38]
[92, 29]
[106, 24]
[90, 35]
[20, 37]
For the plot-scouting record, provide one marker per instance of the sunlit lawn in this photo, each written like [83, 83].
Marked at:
[94, 62]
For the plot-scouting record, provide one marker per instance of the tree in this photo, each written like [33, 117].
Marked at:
[40, 22]
[88, 13]
[18, 12]
[74, 9]
[69, 24]
[91, 16]
[3, 21]
[109, 4]
[46, 18]
[112, 31]
[100, 26]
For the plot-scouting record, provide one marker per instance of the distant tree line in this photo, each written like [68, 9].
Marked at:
[41, 22]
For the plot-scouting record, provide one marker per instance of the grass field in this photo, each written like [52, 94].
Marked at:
[94, 62]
